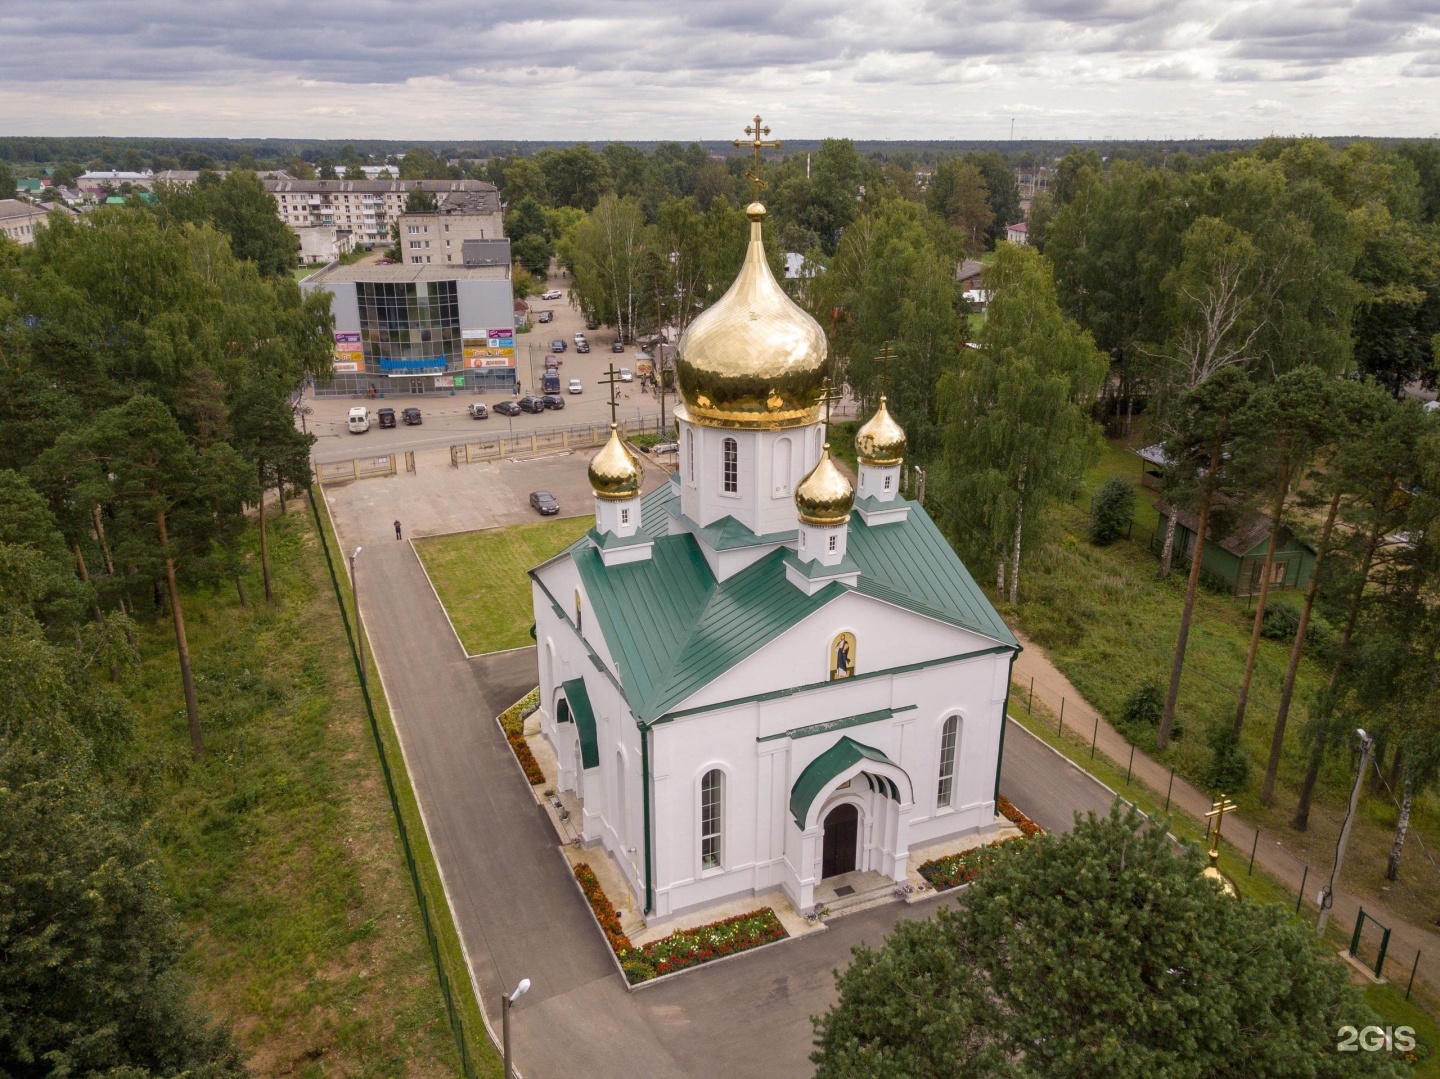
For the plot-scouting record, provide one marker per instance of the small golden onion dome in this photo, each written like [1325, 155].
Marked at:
[1213, 872]
[824, 497]
[881, 441]
[754, 359]
[615, 472]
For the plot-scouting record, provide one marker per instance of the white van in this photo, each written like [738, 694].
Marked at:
[359, 420]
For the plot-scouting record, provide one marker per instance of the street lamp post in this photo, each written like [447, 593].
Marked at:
[359, 632]
[507, 1001]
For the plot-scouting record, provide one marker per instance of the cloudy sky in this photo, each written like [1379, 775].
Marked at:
[602, 69]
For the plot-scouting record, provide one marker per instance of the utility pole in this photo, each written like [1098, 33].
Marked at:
[1327, 897]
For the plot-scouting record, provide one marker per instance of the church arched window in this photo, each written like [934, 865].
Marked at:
[781, 467]
[712, 812]
[730, 466]
[690, 456]
[949, 737]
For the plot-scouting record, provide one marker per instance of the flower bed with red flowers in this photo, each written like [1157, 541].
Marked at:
[954, 870]
[690, 947]
[605, 912]
[1028, 828]
[683, 948]
[512, 722]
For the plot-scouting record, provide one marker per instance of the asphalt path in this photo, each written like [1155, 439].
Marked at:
[519, 914]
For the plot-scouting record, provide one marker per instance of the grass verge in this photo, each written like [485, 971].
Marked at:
[278, 847]
[480, 577]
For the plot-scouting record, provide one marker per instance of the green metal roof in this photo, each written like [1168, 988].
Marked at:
[820, 773]
[673, 628]
[909, 563]
[584, 716]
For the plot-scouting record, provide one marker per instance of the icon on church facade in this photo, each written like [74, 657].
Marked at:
[842, 656]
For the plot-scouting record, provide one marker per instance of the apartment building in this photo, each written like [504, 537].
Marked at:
[364, 207]
[439, 237]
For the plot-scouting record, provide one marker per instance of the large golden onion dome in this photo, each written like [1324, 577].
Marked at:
[825, 497]
[615, 472]
[754, 359]
[880, 443]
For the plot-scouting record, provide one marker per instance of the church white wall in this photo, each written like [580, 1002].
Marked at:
[885, 636]
[771, 466]
[762, 847]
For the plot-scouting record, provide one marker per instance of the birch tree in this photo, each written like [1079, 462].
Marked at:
[1015, 415]
[608, 249]
[1211, 296]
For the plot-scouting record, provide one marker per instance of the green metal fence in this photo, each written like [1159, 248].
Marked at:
[457, 1023]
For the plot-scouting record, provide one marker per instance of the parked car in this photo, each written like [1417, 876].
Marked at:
[625, 375]
[665, 447]
[558, 345]
[478, 411]
[575, 386]
[384, 262]
[545, 316]
[591, 324]
[386, 417]
[411, 416]
[531, 403]
[583, 347]
[545, 502]
[358, 420]
[552, 362]
[618, 346]
[553, 400]
[579, 336]
[507, 408]
[551, 294]
[551, 382]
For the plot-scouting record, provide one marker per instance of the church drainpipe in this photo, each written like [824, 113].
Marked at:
[645, 794]
[1004, 720]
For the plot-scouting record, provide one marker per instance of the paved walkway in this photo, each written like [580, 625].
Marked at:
[1272, 854]
[519, 915]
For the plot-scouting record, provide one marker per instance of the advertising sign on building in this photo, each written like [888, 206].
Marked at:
[349, 356]
[489, 348]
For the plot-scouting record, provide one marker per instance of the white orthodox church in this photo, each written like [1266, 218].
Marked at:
[755, 676]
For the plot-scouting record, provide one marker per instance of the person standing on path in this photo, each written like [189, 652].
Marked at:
[397, 531]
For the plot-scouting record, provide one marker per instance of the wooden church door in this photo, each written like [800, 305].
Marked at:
[837, 852]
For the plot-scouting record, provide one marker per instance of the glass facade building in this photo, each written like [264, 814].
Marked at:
[410, 327]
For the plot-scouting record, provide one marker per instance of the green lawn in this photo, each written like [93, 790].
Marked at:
[481, 579]
[1110, 626]
[279, 847]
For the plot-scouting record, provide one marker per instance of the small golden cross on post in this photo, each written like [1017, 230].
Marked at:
[1218, 809]
[756, 142]
[611, 381]
[884, 356]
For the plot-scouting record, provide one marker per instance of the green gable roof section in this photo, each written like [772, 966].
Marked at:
[820, 773]
[909, 563]
[672, 627]
[584, 717]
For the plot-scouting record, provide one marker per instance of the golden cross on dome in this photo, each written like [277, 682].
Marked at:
[757, 132]
[1218, 810]
[885, 355]
[612, 381]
